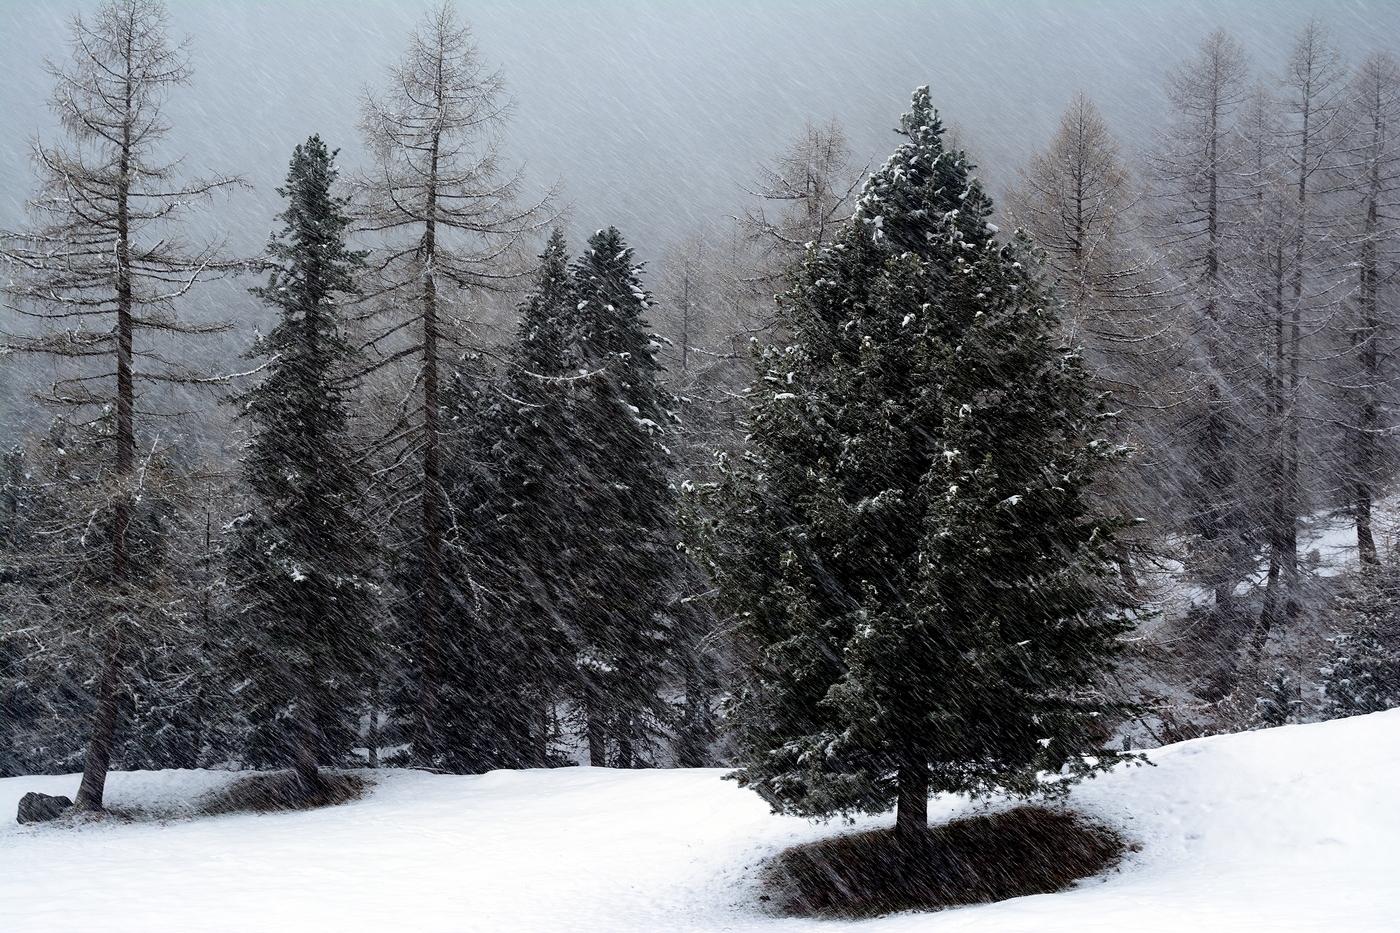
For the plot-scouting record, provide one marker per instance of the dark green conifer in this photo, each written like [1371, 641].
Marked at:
[1280, 701]
[906, 549]
[496, 659]
[303, 559]
[538, 444]
[1363, 674]
[586, 513]
[623, 558]
[543, 348]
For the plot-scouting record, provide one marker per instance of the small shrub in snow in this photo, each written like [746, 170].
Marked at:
[1364, 677]
[1278, 706]
[1363, 674]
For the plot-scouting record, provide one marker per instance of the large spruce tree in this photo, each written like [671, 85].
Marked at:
[585, 520]
[303, 559]
[537, 455]
[623, 555]
[905, 549]
[498, 656]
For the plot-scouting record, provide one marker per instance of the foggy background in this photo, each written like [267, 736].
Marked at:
[655, 116]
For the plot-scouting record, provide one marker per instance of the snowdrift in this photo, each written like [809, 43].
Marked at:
[1290, 829]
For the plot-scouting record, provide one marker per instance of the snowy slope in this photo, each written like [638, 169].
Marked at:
[1289, 829]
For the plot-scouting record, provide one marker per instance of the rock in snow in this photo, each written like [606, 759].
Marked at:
[1288, 829]
[40, 808]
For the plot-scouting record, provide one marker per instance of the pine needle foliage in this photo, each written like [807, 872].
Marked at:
[303, 559]
[624, 507]
[1363, 674]
[905, 550]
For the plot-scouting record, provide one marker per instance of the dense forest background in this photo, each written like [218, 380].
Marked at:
[1215, 187]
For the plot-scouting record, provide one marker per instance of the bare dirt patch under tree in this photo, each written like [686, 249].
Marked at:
[283, 790]
[1028, 850]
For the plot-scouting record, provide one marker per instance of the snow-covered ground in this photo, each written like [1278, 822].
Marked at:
[1289, 829]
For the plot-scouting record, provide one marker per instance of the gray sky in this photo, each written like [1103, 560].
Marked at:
[654, 115]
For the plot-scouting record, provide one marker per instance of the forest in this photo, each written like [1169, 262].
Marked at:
[878, 488]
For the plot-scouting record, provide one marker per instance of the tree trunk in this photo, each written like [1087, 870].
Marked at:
[1366, 454]
[626, 755]
[1278, 498]
[911, 811]
[1269, 615]
[197, 727]
[1218, 478]
[104, 727]
[541, 736]
[1293, 488]
[1124, 559]
[694, 728]
[1293, 608]
[372, 733]
[1365, 540]
[307, 758]
[1213, 201]
[424, 739]
[104, 730]
[597, 740]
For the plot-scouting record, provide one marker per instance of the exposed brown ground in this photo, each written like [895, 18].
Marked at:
[1028, 850]
[266, 793]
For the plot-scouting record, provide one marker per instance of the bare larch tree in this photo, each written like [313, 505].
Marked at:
[1312, 98]
[1079, 203]
[1369, 176]
[101, 267]
[449, 221]
[807, 192]
[1074, 198]
[1197, 185]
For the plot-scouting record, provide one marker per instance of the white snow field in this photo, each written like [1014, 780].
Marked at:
[1289, 829]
